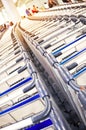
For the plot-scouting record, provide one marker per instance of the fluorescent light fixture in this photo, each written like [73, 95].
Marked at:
[14, 1]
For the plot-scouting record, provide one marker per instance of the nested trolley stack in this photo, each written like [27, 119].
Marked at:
[58, 39]
[25, 103]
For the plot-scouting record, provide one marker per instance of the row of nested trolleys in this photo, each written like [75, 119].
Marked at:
[58, 39]
[24, 100]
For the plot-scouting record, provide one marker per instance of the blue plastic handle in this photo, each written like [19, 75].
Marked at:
[16, 86]
[73, 56]
[24, 102]
[58, 50]
[79, 72]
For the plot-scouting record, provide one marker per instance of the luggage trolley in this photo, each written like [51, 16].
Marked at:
[79, 48]
[79, 36]
[6, 107]
[23, 96]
